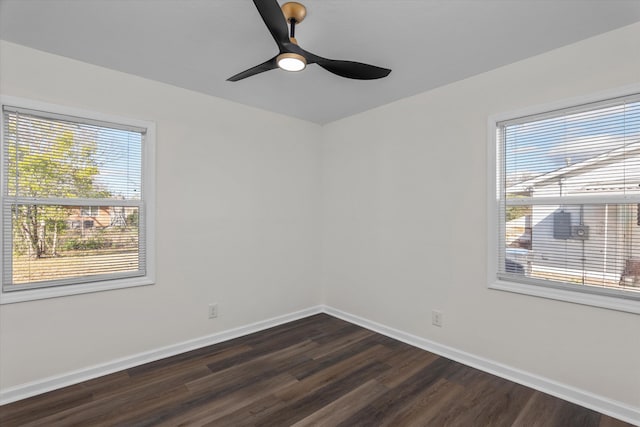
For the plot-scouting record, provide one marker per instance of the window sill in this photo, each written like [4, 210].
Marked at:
[68, 290]
[601, 301]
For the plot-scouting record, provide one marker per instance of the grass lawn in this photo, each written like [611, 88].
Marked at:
[26, 269]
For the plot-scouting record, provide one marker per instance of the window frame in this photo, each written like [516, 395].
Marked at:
[613, 300]
[148, 184]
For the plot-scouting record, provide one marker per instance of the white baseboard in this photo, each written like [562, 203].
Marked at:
[580, 397]
[55, 382]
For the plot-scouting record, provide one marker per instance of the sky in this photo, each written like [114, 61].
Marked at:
[119, 158]
[545, 145]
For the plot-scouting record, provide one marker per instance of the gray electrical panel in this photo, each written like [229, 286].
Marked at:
[562, 225]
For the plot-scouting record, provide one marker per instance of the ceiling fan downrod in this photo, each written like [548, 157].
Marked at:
[292, 28]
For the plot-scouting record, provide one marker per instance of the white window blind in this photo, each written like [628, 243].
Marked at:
[569, 193]
[73, 200]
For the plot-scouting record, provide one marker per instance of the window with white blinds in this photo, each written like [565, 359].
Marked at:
[568, 190]
[74, 200]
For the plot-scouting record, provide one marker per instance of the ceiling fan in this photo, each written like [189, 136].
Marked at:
[292, 57]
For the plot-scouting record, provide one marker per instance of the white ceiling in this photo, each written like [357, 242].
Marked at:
[198, 44]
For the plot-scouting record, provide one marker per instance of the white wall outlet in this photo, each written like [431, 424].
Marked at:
[436, 318]
[213, 311]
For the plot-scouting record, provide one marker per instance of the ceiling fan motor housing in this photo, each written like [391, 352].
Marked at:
[294, 10]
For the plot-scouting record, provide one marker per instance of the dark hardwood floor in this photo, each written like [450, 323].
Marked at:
[318, 371]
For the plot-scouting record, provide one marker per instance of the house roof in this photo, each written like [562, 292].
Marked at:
[602, 160]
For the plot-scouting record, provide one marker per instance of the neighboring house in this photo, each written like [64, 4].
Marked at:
[584, 243]
[87, 217]
[84, 217]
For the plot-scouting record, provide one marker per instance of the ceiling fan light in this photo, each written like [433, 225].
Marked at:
[291, 62]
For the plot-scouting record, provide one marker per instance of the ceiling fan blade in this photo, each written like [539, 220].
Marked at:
[352, 70]
[348, 69]
[265, 66]
[274, 20]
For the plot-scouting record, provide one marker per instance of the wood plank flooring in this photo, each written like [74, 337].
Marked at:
[317, 371]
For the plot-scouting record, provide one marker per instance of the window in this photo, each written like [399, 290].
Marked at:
[567, 189]
[89, 211]
[77, 201]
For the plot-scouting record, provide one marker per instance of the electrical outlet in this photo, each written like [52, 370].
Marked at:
[213, 311]
[436, 318]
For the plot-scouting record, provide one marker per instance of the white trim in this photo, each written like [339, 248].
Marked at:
[568, 102]
[493, 202]
[10, 297]
[620, 304]
[148, 203]
[584, 398]
[82, 203]
[621, 199]
[24, 391]
[32, 104]
[580, 397]
[608, 98]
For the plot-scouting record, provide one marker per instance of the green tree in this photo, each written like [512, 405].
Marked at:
[513, 212]
[45, 160]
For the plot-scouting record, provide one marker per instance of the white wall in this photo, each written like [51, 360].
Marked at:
[405, 224]
[236, 222]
